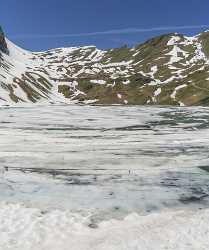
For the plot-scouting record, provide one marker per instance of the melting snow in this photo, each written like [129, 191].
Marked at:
[157, 92]
[98, 81]
[119, 96]
[173, 95]
[174, 53]
[173, 40]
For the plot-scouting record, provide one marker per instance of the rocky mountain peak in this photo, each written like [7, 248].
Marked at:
[3, 44]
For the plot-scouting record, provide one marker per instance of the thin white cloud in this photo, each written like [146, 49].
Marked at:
[109, 32]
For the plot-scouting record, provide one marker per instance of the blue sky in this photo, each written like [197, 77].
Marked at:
[29, 22]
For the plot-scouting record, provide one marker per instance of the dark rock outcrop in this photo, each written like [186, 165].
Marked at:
[3, 44]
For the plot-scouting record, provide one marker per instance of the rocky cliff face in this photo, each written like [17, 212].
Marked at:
[171, 69]
[3, 44]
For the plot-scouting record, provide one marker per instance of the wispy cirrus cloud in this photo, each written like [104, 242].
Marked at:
[110, 32]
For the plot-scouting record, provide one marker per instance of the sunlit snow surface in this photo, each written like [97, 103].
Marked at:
[86, 168]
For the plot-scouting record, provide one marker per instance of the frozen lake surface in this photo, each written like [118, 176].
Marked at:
[116, 158]
[102, 163]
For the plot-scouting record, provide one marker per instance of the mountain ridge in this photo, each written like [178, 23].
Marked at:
[171, 69]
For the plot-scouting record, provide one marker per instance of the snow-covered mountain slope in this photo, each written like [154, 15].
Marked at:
[169, 69]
